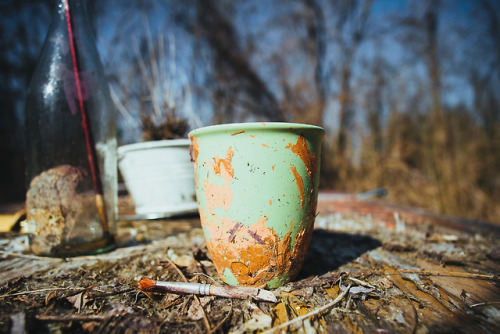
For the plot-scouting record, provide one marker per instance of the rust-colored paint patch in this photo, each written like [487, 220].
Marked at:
[264, 145]
[313, 204]
[302, 150]
[252, 136]
[226, 163]
[194, 150]
[216, 196]
[237, 132]
[300, 184]
[270, 202]
[302, 241]
[254, 254]
[272, 167]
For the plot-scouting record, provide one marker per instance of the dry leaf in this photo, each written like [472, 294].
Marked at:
[281, 314]
[185, 261]
[297, 306]
[333, 292]
[259, 321]
[195, 312]
[169, 300]
[50, 296]
[304, 292]
[75, 300]
[356, 290]
[79, 300]
[300, 308]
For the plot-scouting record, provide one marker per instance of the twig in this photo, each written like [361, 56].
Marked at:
[75, 317]
[361, 282]
[68, 288]
[449, 273]
[114, 293]
[238, 292]
[429, 273]
[121, 108]
[310, 314]
[484, 304]
[37, 291]
[225, 318]
[33, 257]
[146, 75]
[205, 275]
[170, 263]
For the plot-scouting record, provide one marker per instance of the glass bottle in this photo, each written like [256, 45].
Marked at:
[71, 143]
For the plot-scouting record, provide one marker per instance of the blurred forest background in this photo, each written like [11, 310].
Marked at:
[408, 90]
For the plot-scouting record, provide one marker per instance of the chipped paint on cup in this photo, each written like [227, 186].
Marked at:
[257, 189]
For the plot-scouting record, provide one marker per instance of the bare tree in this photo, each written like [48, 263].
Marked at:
[316, 43]
[485, 78]
[349, 27]
[240, 88]
[420, 31]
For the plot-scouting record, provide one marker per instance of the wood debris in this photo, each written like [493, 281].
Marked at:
[405, 281]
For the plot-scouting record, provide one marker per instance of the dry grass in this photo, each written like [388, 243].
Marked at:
[455, 175]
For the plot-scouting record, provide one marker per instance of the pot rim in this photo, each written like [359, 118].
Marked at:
[259, 126]
[183, 142]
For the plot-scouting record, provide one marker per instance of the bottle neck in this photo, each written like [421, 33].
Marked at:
[73, 12]
[79, 6]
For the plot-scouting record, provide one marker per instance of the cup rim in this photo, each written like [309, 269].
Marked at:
[233, 128]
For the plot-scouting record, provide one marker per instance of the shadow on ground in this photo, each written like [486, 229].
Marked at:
[329, 250]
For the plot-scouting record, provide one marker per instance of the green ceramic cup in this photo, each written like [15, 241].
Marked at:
[257, 190]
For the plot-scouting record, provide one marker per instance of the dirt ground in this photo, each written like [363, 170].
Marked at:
[371, 267]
